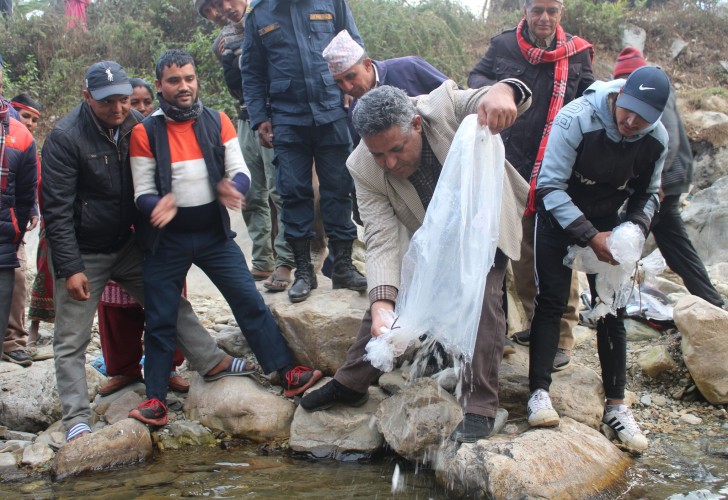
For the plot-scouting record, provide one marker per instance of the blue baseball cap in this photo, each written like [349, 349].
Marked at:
[645, 92]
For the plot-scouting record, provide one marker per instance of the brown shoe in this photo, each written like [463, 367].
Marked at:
[117, 383]
[178, 384]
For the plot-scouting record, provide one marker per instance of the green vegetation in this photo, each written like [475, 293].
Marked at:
[49, 62]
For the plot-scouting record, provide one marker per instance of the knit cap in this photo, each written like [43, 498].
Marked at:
[627, 61]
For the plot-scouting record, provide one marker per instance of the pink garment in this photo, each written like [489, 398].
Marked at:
[76, 13]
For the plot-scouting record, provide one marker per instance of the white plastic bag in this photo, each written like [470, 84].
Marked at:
[613, 283]
[448, 259]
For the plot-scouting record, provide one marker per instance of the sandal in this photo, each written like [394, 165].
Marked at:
[276, 283]
[237, 368]
[259, 275]
[77, 430]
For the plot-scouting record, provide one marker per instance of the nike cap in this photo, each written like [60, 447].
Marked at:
[645, 92]
[107, 78]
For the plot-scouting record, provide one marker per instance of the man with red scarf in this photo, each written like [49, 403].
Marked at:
[557, 67]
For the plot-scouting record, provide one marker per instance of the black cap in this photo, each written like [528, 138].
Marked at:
[107, 78]
[645, 92]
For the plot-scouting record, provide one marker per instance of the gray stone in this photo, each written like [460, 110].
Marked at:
[418, 419]
[392, 382]
[447, 378]
[30, 400]
[123, 443]
[638, 331]
[341, 432]
[706, 221]
[704, 328]
[120, 408]
[14, 445]
[240, 406]
[37, 455]
[7, 462]
[646, 400]
[102, 403]
[678, 47]
[583, 334]
[718, 448]
[320, 330]
[232, 341]
[54, 436]
[534, 464]
[186, 433]
[659, 400]
[656, 360]
[633, 35]
[576, 392]
[23, 436]
[690, 419]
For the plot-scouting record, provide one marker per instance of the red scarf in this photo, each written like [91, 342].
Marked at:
[4, 170]
[560, 55]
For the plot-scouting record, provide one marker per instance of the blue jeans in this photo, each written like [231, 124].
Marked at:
[223, 262]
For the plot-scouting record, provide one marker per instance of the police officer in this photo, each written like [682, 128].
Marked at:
[282, 61]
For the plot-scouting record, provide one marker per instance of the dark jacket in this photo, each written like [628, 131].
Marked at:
[678, 171]
[17, 189]
[230, 63]
[88, 196]
[503, 59]
[282, 60]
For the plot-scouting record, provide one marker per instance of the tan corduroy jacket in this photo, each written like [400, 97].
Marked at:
[391, 208]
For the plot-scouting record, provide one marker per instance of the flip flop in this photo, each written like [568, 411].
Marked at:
[259, 275]
[271, 286]
[238, 368]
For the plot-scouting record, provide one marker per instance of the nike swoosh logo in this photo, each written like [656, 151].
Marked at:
[642, 87]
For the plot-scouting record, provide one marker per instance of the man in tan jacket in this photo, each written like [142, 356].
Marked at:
[395, 168]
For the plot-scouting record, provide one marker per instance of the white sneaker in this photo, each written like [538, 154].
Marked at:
[621, 421]
[540, 411]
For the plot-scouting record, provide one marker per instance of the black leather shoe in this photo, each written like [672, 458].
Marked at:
[345, 274]
[472, 428]
[331, 393]
[305, 282]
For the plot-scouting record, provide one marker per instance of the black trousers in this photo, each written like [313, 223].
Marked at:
[679, 253]
[553, 281]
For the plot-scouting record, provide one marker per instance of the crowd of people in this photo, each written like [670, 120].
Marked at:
[130, 195]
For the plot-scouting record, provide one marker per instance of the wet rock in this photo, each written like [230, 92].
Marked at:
[240, 406]
[576, 392]
[638, 331]
[419, 418]
[718, 448]
[54, 436]
[119, 409]
[703, 329]
[7, 462]
[29, 397]
[320, 330]
[14, 445]
[392, 382]
[535, 464]
[23, 436]
[447, 379]
[341, 432]
[37, 455]
[123, 443]
[690, 419]
[656, 360]
[186, 433]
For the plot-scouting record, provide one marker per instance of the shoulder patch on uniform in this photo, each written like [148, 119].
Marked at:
[324, 16]
[268, 29]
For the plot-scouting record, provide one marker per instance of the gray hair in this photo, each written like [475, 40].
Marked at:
[380, 109]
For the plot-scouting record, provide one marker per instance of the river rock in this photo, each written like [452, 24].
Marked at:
[583, 334]
[706, 221]
[638, 331]
[447, 378]
[240, 406]
[320, 330]
[186, 433]
[420, 417]
[14, 445]
[690, 419]
[538, 463]
[7, 462]
[656, 360]
[341, 432]
[392, 382]
[703, 328]
[37, 455]
[120, 408]
[122, 443]
[25, 436]
[576, 392]
[29, 397]
[231, 340]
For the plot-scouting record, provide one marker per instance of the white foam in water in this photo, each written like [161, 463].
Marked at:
[397, 482]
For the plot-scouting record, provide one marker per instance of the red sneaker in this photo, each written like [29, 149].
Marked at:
[151, 412]
[299, 379]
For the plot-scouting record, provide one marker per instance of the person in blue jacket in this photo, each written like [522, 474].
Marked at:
[605, 148]
[282, 65]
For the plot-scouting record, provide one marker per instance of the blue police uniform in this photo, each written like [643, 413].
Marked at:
[282, 61]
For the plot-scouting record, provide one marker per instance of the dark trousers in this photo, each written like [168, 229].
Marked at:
[680, 255]
[480, 379]
[296, 149]
[223, 262]
[7, 282]
[553, 280]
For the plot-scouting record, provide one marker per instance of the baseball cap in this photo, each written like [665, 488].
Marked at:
[645, 92]
[107, 78]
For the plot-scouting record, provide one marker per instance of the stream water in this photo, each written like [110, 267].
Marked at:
[671, 467]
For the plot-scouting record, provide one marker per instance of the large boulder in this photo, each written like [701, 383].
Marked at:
[29, 396]
[633, 35]
[704, 347]
[706, 221]
[540, 463]
[418, 419]
[122, 443]
[576, 392]
[341, 432]
[240, 406]
[320, 330]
